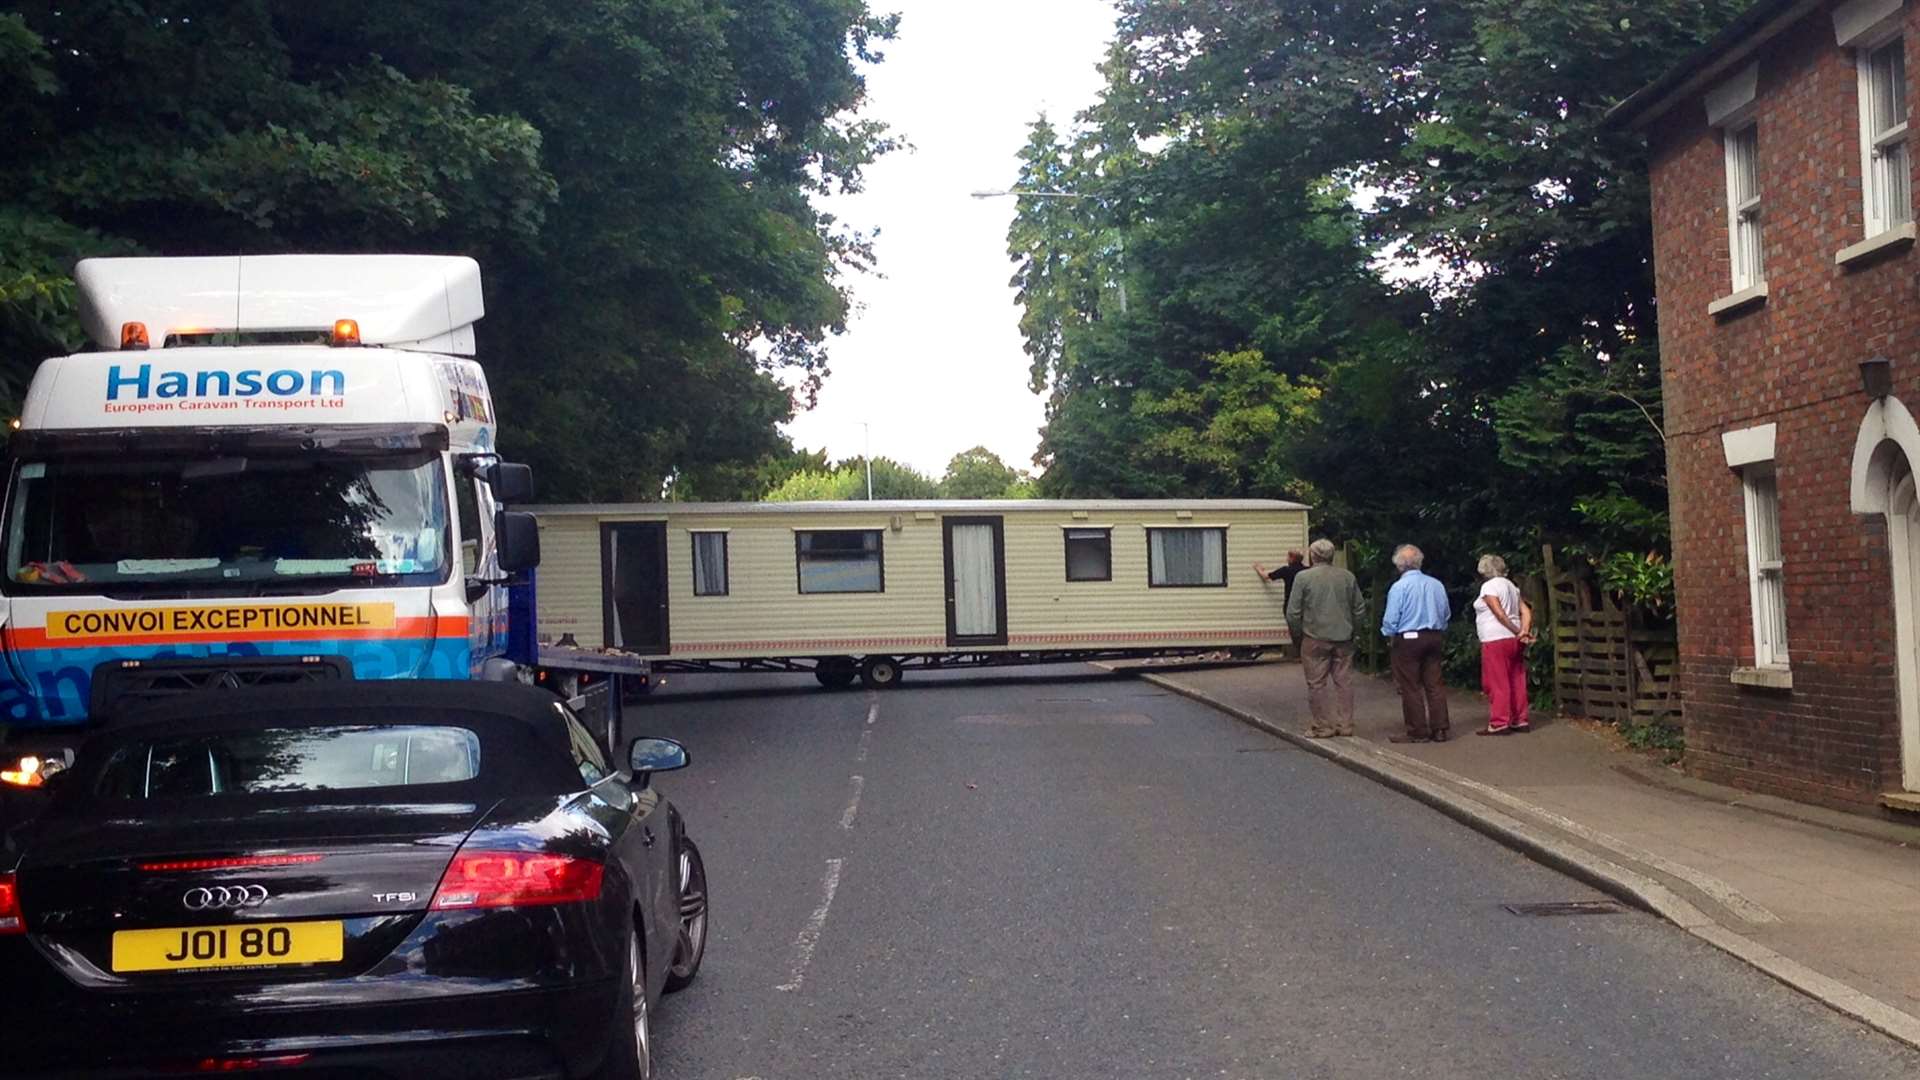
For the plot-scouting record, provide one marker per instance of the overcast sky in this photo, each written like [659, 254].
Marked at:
[932, 359]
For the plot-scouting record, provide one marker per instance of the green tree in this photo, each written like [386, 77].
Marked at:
[1498, 386]
[634, 176]
[978, 474]
[847, 481]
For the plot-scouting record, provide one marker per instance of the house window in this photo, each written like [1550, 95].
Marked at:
[840, 561]
[1883, 136]
[1765, 566]
[1089, 554]
[709, 564]
[1743, 207]
[1186, 557]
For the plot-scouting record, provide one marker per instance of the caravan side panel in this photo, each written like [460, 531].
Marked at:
[1046, 611]
[765, 614]
[568, 591]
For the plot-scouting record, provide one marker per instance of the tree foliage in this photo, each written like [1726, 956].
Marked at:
[847, 481]
[980, 474]
[633, 175]
[1382, 256]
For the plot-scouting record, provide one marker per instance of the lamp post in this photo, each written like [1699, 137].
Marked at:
[1120, 239]
[866, 455]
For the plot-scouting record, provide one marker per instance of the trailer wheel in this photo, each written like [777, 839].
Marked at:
[880, 672]
[836, 672]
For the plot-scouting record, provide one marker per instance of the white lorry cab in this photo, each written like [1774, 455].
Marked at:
[271, 469]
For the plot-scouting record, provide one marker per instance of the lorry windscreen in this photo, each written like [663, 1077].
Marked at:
[158, 523]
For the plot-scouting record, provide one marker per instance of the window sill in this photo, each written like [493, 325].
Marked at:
[1898, 236]
[1770, 678]
[1751, 296]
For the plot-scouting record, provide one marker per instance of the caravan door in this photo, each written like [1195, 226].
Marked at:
[976, 581]
[633, 562]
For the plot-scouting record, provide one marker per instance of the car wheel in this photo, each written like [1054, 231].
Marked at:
[836, 672]
[630, 1052]
[691, 946]
[880, 672]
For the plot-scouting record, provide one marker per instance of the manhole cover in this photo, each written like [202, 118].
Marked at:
[1567, 907]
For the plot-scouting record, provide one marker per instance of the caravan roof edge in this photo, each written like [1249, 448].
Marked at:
[909, 505]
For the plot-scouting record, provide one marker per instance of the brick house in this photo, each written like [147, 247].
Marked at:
[1783, 221]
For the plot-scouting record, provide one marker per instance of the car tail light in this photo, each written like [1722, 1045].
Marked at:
[11, 920]
[246, 1064]
[487, 879]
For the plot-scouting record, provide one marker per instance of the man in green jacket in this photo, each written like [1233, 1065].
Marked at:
[1324, 609]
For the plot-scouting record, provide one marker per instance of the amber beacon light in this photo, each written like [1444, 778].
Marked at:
[345, 332]
[133, 335]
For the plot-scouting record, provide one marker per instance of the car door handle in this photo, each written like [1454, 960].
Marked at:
[646, 836]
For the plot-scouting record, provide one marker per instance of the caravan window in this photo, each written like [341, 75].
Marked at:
[1186, 557]
[840, 561]
[1089, 554]
[709, 564]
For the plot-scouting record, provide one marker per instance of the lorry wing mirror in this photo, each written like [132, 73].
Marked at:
[510, 483]
[516, 540]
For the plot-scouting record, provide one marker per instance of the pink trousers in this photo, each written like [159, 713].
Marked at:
[1503, 675]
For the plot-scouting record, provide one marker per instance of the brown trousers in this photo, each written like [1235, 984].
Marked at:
[1328, 666]
[1416, 671]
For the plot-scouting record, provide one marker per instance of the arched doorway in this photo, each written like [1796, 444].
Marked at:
[1903, 551]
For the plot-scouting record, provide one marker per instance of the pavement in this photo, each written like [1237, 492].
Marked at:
[1064, 873]
[1824, 901]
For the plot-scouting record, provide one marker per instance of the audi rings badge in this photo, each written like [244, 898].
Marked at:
[224, 897]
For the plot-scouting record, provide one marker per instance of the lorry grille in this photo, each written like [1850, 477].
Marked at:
[122, 683]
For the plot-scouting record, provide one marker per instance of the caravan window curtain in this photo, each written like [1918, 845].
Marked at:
[1186, 558]
[840, 561]
[709, 564]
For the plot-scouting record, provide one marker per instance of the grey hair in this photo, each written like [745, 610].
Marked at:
[1408, 557]
[1320, 551]
[1492, 566]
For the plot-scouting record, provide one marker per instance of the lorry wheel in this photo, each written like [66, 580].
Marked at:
[880, 672]
[836, 672]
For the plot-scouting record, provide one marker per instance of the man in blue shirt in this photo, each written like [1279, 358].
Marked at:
[1416, 619]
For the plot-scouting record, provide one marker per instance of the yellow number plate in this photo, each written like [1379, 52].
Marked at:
[241, 946]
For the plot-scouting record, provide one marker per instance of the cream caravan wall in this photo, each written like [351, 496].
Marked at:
[766, 615]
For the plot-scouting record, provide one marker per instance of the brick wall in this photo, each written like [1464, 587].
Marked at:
[1834, 737]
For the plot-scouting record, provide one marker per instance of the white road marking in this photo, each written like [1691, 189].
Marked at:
[809, 938]
[866, 740]
[853, 804]
[873, 712]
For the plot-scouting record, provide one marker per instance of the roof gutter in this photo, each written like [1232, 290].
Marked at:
[1727, 50]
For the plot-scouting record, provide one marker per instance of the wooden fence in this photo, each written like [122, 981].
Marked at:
[1606, 665]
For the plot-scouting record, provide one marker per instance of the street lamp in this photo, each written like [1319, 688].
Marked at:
[1120, 239]
[867, 455]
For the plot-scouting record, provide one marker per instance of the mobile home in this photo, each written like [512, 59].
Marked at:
[866, 589]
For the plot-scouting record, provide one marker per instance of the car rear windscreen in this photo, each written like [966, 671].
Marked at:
[281, 760]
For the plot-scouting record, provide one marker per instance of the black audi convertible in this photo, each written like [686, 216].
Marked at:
[405, 879]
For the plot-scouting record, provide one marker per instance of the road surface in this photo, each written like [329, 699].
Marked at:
[1066, 873]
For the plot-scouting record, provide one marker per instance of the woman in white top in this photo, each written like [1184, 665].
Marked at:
[1504, 621]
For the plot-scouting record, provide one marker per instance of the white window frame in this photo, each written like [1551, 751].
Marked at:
[1877, 144]
[1745, 242]
[1766, 565]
